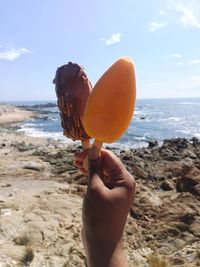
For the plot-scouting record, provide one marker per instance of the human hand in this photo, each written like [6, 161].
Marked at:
[105, 207]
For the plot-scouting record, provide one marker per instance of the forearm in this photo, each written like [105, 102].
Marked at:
[101, 255]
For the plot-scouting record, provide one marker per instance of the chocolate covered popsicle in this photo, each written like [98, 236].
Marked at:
[73, 89]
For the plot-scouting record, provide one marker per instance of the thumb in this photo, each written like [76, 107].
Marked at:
[95, 169]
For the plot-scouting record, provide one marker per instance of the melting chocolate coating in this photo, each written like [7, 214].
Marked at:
[72, 88]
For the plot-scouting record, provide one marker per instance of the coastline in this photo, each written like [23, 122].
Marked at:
[11, 114]
[41, 197]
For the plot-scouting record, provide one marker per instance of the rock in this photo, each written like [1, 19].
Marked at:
[178, 143]
[126, 155]
[195, 141]
[22, 146]
[167, 185]
[188, 153]
[171, 158]
[153, 143]
[6, 185]
[67, 248]
[138, 172]
[181, 226]
[33, 166]
[2, 145]
[187, 184]
[194, 227]
[83, 181]
[196, 190]
[136, 214]
[21, 254]
[77, 178]
[187, 218]
[61, 169]
[172, 231]
[48, 105]
[178, 261]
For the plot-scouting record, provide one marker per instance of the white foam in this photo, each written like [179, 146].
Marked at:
[53, 119]
[32, 132]
[28, 124]
[126, 146]
[175, 119]
[197, 135]
[184, 131]
[189, 103]
[171, 120]
[137, 112]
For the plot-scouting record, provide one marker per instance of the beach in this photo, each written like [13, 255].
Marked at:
[41, 195]
[11, 114]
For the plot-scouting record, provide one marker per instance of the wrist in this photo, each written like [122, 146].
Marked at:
[106, 254]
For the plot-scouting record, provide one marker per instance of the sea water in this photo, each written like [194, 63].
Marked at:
[154, 119]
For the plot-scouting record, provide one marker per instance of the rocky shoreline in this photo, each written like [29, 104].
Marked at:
[41, 196]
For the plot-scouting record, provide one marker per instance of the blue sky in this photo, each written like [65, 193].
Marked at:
[162, 37]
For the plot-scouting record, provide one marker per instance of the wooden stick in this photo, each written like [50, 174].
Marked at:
[96, 147]
[86, 144]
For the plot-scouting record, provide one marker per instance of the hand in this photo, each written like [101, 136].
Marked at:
[105, 208]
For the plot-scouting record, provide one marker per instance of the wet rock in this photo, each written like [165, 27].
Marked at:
[195, 141]
[152, 144]
[178, 143]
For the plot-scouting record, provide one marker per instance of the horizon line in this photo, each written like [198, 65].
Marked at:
[139, 98]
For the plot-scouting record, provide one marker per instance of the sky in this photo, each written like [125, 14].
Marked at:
[161, 36]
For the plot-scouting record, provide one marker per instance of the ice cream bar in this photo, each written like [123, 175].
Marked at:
[73, 89]
[110, 105]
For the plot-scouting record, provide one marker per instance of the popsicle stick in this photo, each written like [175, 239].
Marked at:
[86, 144]
[96, 147]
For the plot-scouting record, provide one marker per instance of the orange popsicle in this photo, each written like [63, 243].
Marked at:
[111, 103]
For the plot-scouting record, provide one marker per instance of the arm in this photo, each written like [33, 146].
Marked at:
[105, 209]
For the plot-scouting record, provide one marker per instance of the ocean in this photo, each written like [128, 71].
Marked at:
[154, 119]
